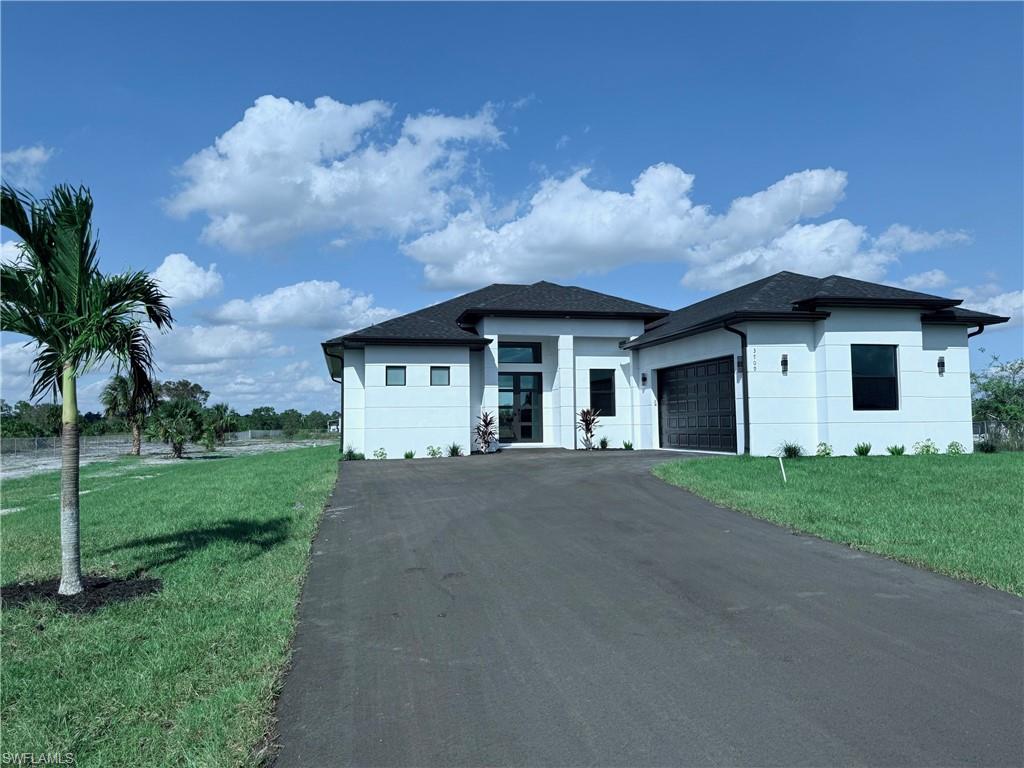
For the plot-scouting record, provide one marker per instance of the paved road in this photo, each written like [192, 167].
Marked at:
[560, 609]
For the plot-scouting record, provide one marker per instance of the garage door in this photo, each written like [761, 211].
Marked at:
[697, 406]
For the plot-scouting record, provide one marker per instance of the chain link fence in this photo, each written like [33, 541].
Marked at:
[1002, 436]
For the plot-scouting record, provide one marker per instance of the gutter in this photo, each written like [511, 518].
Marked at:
[341, 399]
[972, 334]
[746, 388]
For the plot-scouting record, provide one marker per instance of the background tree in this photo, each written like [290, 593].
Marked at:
[998, 395]
[264, 418]
[183, 389]
[121, 401]
[176, 423]
[291, 420]
[78, 319]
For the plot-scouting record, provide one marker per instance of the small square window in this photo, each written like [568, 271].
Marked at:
[440, 376]
[394, 376]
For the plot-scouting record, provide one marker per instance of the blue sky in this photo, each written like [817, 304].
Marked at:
[317, 167]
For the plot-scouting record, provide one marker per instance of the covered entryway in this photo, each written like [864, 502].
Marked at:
[697, 406]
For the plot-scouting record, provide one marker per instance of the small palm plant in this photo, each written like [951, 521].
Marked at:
[177, 423]
[121, 400]
[79, 319]
[587, 425]
[862, 449]
[454, 449]
[218, 420]
[484, 432]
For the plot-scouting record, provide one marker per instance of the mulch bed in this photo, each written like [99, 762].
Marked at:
[98, 591]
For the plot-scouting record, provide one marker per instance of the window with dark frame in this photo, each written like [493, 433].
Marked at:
[519, 352]
[602, 391]
[394, 376]
[440, 376]
[874, 371]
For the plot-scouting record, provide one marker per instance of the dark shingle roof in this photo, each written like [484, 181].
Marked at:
[440, 323]
[790, 296]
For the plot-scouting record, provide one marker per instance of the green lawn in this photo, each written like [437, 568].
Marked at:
[183, 677]
[959, 515]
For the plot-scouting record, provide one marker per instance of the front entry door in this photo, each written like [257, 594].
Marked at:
[519, 408]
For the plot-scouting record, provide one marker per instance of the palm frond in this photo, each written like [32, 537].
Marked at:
[30, 220]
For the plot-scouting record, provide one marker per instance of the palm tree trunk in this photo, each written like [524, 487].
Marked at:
[70, 555]
[136, 439]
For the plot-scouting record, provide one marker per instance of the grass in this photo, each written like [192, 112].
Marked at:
[183, 677]
[958, 515]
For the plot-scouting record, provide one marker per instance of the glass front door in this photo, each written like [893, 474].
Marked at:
[519, 408]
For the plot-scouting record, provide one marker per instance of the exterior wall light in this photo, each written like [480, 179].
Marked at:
[942, 365]
[643, 378]
[739, 364]
[785, 365]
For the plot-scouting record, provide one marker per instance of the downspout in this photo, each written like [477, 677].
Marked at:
[746, 388]
[341, 400]
[971, 334]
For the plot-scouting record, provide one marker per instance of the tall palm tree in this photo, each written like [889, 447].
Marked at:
[78, 318]
[120, 400]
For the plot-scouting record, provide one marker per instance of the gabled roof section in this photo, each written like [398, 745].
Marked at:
[791, 296]
[452, 322]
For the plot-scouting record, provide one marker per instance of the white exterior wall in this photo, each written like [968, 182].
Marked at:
[812, 403]
[930, 406]
[400, 419]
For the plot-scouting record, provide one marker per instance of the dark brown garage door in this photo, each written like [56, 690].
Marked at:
[697, 406]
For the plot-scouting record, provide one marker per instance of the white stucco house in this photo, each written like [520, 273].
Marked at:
[786, 358]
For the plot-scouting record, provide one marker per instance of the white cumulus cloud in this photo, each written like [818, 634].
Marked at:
[902, 239]
[320, 304]
[197, 344]
[184, 281]
[925, 281]
[23, 167]
[286, 169]
[570, 227]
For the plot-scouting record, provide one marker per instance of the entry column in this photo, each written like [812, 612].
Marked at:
[565, 386]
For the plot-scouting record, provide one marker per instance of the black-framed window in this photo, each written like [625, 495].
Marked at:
[602, 390]
[874, 370]
[394, 376]
[440, 375]
[518, 351]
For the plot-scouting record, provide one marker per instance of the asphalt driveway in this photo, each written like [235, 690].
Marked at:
[562, 609]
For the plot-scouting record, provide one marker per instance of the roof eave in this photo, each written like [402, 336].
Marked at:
[876, 303]
[362, 341]
[470, 316]
[722, 322]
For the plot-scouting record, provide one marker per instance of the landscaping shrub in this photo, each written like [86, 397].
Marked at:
[791, 450]
[434, 451]
[484, 432]
[862, 449]
[627, 446]
[925, 448]
[380, 454]
[587, 425]
[410, 454]
[824, 449]
[351, 454]
[604, 443]
[454, 449]
[896, 450]
[986, 446]
[955, 448]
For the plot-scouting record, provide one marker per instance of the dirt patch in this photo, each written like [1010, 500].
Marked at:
[98, 592]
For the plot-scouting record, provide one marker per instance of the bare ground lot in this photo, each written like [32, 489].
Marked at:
[26, 463]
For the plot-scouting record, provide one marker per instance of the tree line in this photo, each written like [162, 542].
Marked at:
[26, 419]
